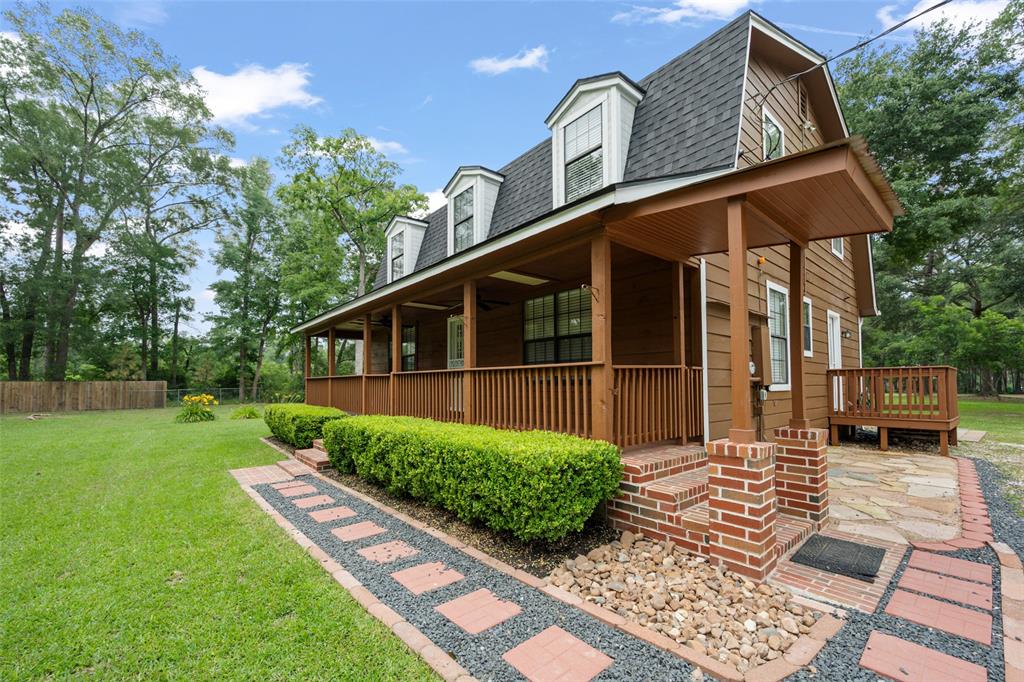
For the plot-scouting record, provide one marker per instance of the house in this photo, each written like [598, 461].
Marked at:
[682, 260]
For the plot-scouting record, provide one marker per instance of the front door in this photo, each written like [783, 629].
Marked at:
[835, 357]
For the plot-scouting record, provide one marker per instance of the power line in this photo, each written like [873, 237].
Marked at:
[856, 47]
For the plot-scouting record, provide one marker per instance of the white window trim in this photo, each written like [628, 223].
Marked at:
[405, 246]
[841, 252]
[766, 112]
[810, 326]
[472, 217]
[770, 286]
[605, 175]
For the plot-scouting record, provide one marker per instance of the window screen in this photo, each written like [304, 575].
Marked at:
[779, 332]
[463, 217]
[584, 167]
[397, 256]
[556, 327]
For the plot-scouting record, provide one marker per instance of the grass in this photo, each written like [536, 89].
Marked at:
[128, 551]
[1003, 419]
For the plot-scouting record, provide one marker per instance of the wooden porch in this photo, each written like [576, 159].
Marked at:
[911, 398]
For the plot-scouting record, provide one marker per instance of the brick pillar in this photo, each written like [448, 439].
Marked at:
[741, 506]
[801, 471]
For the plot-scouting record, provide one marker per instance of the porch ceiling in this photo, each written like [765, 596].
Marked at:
[831, 191]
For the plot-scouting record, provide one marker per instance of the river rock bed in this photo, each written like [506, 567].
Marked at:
[681, 595]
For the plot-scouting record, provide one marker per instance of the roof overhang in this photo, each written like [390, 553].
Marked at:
[616, 79]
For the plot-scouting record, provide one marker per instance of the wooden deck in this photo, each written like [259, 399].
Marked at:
[911, 398]
[651, 403]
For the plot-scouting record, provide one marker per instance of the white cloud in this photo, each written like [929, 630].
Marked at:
[254, 91]
[959, 13]
[387, 146]
[207, 294]
[426, 100]
[140, 13]
[533, 58]
[690, 10]
[435, 200]
[236, 162]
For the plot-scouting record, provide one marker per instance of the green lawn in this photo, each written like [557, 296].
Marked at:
[1003, 419]
[128, 551]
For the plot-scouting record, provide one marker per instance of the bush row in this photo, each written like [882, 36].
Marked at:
[534, 484]
[298, 424]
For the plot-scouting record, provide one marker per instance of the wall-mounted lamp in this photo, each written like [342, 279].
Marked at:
[847, 334]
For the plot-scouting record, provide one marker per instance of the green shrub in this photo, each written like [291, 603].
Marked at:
[298, 424]
[246, 412]
[196, 408]
[534, 484]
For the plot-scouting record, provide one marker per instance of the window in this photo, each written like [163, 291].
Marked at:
[584, 165]
[838, 246]
[463, 207]
[773, 137]
[397, 255]
[778, 331]
[408, 348]
[456, 342]
[556, 327]
[808, 316]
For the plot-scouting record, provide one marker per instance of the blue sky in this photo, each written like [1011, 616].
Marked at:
[437, 85]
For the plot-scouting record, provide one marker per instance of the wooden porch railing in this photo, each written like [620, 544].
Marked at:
[894, 396]
[657, 403]
[650, 404]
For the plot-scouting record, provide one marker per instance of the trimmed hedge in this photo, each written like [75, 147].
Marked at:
[298, 424]
[534, 484]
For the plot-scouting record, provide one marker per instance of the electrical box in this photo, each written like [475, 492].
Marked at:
[760, 352]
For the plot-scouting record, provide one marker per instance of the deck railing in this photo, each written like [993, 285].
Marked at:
[650, 403]
[898, 394]
[657, 403]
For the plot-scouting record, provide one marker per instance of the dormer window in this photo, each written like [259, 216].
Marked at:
[397, 255]
[463, 216]
[584, 166]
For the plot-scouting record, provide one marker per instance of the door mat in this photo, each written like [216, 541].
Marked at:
[851, 559]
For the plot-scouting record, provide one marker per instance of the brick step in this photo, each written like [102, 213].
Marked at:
[313, 458]
[790, 532]
[676, 493]
[293, 467]
[318, 444]
[644, 465]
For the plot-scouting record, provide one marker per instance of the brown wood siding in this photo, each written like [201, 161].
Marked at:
[784, 105]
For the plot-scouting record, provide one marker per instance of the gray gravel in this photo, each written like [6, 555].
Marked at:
[481, 654]
[1006, 524]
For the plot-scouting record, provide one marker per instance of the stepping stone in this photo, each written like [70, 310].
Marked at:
[872, 510]
[905, 661]
[555, 655]
[933, 481]
[288, 484]
[295, 491]
[844, 513]
[860, 476]
[315, 501]
[918, 513]
[958, 568]
[946, 587]
[950, 618]
[929, 491]
[332, 514]
[357, 531]
[928, 529]
[885, 502]
[478, 611]
[386, 552]
[426, 577]
[879, 532]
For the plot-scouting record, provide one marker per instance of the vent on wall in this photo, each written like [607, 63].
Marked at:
[803, 100]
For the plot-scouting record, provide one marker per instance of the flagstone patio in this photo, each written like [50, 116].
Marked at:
[894, 496]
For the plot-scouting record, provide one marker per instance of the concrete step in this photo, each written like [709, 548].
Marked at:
[313, 458]
[679, 492]
[644, 465]
[318, 444]
[293, 467]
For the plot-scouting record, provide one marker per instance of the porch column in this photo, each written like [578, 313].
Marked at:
[796, 334]
[468, 350]
[396, 354]
[742, 430]
[367, 359]
[679, 342]
[602, 381]
[309, 356]
[331, 366]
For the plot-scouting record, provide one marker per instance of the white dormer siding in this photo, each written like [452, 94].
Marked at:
[591, 125]
[471, 193]
[404, 236]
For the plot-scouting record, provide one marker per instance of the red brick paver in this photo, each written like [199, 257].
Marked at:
[288, 484]
[556, 656]
[947, 587]
[427, 577]
[905, 661]
[478, 611]
[315, 501]
[958, 568]
[297, 490]
[386, 552]
[260, 475]
[950, 618]
[331, 514]
[357, 531]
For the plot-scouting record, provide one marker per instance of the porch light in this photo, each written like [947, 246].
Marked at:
[847, 334]
[519, 278]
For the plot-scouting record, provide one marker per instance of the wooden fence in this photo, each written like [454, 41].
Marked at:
[74, 396]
